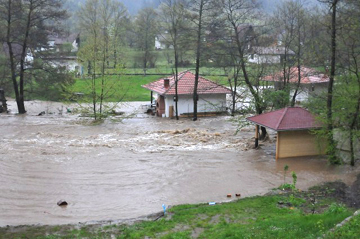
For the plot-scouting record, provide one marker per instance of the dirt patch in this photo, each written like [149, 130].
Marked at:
[197, 232]
[215, 219]
[349, 195]
[352, 198]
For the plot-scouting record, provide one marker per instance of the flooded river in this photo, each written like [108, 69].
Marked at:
[118, 170]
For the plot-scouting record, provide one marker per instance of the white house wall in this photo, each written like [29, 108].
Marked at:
[206, 103]
[70, 65]
[264, 59]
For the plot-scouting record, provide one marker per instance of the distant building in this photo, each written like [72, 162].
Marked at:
[162, 41]
[269, 55]
[212, 97]
[312, 82]
[58, 42]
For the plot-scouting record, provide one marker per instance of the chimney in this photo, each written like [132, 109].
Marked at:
[166, 83]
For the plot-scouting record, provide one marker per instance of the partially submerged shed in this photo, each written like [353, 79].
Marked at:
[293, 126]
[211, 96]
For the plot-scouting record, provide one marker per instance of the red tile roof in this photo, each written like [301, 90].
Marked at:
[186, 82]
[308, 76]
[286, 119]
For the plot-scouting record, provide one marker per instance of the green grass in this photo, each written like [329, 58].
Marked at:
[126, 88]
[256, 217]
[121, 88]
[349, 230]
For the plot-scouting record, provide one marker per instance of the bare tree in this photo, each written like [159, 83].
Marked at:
[290, 21]
[146, 30]
[237, 13]
[200, 9]
[118, 30]
[173, 18]
[98, 19]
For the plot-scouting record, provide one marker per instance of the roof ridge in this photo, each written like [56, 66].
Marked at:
[281, 118]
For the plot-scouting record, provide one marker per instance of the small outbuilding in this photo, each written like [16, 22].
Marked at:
[294, 127]
[211, 96]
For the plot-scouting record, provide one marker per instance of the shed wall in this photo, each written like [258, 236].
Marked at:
[206, 103]
[298, 143]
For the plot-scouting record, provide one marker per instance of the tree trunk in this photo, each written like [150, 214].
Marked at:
[353, 124]
[197, 66]
[176, 81]
[331, 142]
[18, 96]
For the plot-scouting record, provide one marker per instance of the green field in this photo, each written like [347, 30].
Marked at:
[125, 87]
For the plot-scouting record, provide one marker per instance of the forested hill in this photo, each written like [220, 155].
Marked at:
[270, 5]
[133, 6]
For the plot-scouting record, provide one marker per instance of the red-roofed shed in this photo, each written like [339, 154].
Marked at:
[212, 96]
[293, 126]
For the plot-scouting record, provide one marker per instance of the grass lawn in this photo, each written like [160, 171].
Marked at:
[126, 88]
[289, 215]
[121, 88]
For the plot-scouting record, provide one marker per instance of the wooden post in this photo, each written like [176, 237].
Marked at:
[171, 111]
[277, 146]
[256, 136]
[151, 99]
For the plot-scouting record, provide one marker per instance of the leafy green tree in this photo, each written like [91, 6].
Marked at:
[24, 24]
[99, 20]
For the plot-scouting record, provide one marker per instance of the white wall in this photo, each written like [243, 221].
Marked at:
[206, 103]
[70, 65]
[262, 59]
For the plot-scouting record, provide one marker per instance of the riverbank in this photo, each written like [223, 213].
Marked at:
[279, 214]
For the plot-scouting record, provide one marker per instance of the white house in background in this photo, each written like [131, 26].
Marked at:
[162, 41]
[212, 97]
[312, 82]
[159, 45]
[69, 63]
[56, 41]
[269, 55]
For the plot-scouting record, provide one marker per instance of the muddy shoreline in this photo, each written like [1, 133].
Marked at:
[348, 195]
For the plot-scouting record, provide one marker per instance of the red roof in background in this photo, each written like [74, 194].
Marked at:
[186, 82]
[291, 118]
[308, 76]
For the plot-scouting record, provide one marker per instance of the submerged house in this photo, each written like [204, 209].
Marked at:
[294, 127]
[312, 82]
[211, 96]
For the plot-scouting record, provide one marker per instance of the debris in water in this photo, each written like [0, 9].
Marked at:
[41, 113]
[229, 195]
[238, 195]
[62, 203]
[164, 207]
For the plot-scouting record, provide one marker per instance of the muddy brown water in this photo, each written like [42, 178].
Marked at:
[118, 170]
